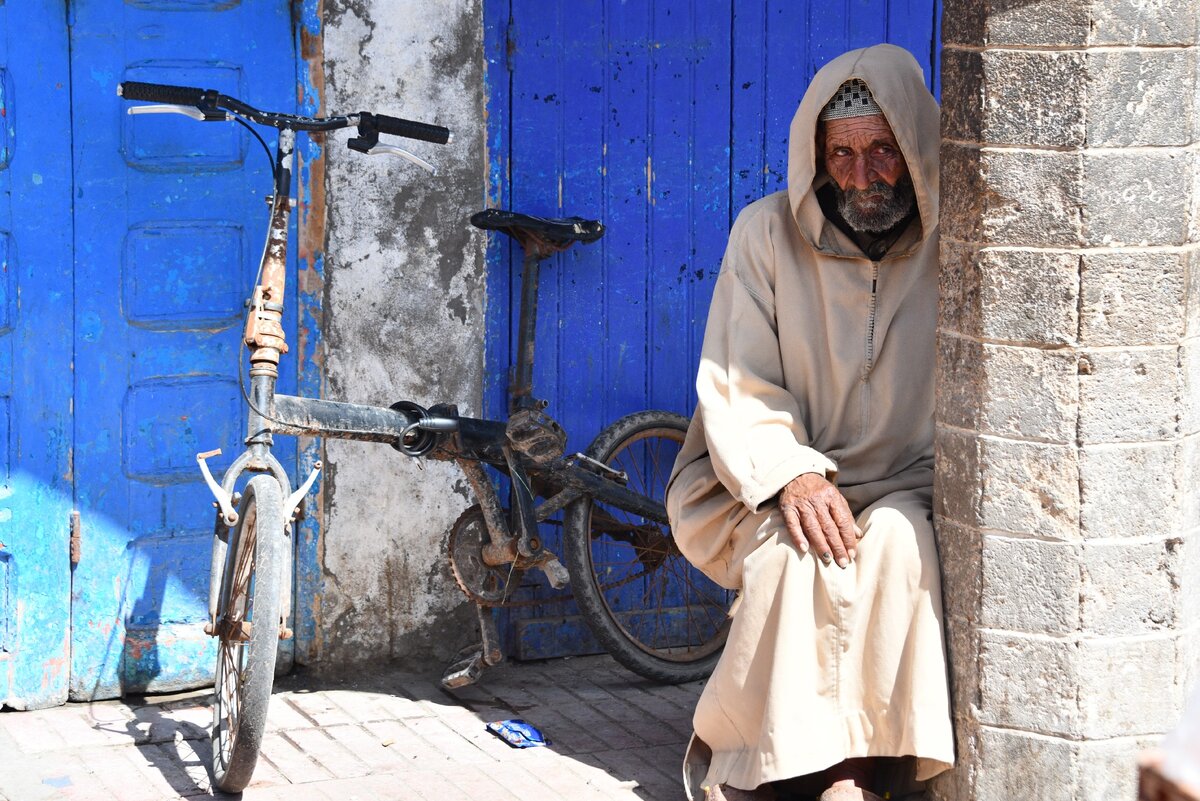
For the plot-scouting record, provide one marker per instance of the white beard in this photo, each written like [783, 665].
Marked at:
[876, 217]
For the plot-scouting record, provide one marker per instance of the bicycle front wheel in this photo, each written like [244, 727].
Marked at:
[248, 632]
[652, 610]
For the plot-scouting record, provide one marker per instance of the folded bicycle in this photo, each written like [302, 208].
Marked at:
[652, 611]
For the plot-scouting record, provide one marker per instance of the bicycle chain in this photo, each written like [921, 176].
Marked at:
[470, 573]
[513, 604]
[485, 584]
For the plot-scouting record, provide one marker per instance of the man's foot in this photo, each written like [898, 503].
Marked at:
[723, 792]
[848, 792]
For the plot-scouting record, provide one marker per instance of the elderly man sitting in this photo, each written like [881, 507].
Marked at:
[805, 480]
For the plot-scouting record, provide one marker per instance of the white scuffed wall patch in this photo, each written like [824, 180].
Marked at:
[404, 320]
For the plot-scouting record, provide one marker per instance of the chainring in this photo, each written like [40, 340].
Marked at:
[487, 585]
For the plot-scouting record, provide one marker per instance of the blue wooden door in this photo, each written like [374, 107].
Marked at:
[661, 118]
[35, 354]
[169, 216]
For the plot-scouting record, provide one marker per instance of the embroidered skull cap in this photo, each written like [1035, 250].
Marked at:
[852, 99]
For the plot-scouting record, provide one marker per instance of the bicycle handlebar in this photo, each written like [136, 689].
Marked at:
[209, 100]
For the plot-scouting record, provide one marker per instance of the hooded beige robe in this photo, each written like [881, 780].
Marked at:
[817, 359]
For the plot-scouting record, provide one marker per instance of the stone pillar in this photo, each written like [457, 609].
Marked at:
[404, 306]
[1067, 497]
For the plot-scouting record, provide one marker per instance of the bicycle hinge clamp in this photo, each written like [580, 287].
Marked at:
[368, 134]
[224, 499]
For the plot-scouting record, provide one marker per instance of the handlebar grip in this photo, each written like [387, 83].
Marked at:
[411, 129]
[161, 93]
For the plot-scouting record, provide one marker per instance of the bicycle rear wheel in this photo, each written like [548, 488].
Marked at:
[652, 610]
[248, 633]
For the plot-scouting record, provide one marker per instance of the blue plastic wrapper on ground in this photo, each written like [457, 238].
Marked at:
[517, 733]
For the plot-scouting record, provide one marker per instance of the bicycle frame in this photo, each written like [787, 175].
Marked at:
[439, 431]
[250, 579]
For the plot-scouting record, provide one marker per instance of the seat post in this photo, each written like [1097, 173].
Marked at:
[540, 238]
[520, 391]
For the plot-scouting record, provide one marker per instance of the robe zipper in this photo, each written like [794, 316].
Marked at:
[865, 393]
[870, 362]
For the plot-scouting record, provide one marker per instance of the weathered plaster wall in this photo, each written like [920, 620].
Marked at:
[403, 320]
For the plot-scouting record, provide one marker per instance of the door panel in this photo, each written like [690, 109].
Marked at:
[663, 119]
[778, 45]
[618, 111]
[169, 219]
[35, 355]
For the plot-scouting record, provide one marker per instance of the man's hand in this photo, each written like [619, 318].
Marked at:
[816, 514]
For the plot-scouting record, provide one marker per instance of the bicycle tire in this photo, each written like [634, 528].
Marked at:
[622, 565]
[250, 588]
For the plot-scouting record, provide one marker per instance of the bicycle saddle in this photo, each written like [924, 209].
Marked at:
[559, 233]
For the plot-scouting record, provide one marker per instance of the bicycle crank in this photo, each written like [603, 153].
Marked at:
[483, 583]
[492, 585]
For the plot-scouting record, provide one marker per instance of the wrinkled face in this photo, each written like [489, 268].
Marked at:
[862, 150]
[862, 157]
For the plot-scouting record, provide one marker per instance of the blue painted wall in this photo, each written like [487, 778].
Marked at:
[661, 118]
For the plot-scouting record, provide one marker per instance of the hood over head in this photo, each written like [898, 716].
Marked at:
[898, 85]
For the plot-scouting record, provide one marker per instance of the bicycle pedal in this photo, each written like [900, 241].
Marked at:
[536, 434]
[556, 572]
[464, 672]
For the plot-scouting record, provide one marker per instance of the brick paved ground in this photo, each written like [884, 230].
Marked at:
[388, 735]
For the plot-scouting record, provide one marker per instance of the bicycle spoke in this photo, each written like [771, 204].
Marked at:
[639, 578]
[641, 485]
[656, 595]
[656, 471]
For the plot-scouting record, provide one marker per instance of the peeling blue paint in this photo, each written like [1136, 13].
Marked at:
[308, 587]
[102, 77]
[497, 101]
[310, 17]
[310, 95]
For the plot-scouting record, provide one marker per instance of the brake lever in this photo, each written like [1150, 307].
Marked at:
[187, 111]
[392, 150]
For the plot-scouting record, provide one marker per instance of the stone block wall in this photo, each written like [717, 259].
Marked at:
[1068, 435]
